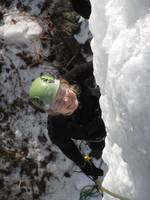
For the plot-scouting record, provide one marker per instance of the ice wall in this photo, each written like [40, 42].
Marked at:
[121, 47]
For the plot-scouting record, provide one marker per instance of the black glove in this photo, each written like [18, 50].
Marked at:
[90, 170]
[82, 7]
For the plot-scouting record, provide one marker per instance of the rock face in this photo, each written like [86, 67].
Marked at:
[35, 37]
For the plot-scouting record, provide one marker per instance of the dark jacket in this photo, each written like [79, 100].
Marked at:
[85, 123]
[82, 7]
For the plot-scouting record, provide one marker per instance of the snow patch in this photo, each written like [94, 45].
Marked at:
[20, 32]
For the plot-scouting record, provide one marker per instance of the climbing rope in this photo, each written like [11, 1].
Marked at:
[89, 191]
[104, 190]
[97, 189]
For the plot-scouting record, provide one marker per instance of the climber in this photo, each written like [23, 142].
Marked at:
[72, 103]
[82, 7]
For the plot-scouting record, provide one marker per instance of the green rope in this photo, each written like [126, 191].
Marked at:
[97, 189]
[89, 191]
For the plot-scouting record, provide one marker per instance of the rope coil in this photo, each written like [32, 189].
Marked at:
[89, 191]
[97, 189]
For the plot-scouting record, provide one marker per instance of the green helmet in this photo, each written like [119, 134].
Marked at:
[43, 90]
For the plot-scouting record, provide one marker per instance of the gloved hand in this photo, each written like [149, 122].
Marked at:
[91, 170]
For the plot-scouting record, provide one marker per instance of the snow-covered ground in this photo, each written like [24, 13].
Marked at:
[121, 47]
[30, 166]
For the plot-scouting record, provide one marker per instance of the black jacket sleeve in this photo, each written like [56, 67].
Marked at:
[82, 7]
[56, 132]
[68, 147]
[79, 73]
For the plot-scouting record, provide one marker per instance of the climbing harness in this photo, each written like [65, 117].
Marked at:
[97, 189]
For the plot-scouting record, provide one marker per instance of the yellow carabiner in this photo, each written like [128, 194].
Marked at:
[87, 158]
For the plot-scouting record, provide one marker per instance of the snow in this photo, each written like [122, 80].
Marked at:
[19, 29]
[84, 33]
[121, 47]
[20, 35]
